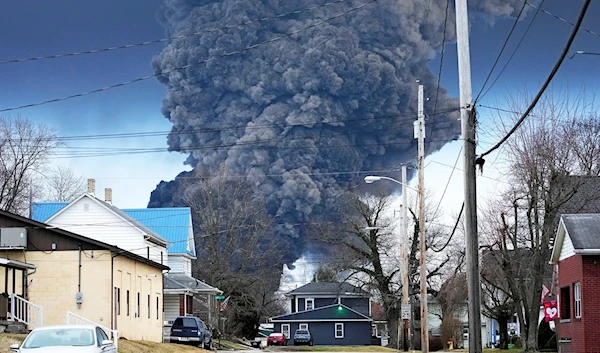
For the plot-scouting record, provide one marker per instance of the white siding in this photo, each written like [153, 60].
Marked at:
[171, 308]
[567, 249]
[155, 253]
[90, 219]
[180, 264]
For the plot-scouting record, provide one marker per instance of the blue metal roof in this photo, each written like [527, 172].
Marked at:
[173, 224]
[41, 211]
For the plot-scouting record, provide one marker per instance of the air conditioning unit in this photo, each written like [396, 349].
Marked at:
[11, 238]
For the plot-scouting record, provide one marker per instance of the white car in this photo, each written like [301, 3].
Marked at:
[66, 339]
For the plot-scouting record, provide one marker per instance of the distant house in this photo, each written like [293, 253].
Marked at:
[63, 275]
[334, 313]
[576, 253]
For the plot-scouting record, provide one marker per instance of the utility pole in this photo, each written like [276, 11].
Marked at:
[405, 283]
[468, 134]
[420, 130]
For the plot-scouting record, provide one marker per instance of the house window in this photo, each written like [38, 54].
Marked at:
[127, 302]
[157, 308]
[118, 301]
[577, 299]
[139, 312]
[285, 329]
[565, 303]
[310, 304]
[148, 306]
[161, 257]
[339, 330]
[303, 327]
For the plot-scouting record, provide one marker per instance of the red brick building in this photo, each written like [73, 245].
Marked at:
[577, 254]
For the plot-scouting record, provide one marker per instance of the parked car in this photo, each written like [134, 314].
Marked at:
[259, 342]
[191, 330]
[66, 338]
[303, 337]
[277, 339]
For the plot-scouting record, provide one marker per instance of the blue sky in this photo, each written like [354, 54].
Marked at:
[37, 28]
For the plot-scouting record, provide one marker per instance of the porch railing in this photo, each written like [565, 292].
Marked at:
[74, 319]
[24, 311]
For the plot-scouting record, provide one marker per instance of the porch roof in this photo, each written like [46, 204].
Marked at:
[179, 283]
[18, 265]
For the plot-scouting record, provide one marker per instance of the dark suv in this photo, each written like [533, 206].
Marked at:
[191, 330]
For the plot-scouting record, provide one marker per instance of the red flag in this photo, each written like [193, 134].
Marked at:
[550, 310]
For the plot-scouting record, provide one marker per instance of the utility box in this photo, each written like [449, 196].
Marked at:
[11, 238]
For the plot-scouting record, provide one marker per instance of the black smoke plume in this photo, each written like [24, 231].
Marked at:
[299, 117]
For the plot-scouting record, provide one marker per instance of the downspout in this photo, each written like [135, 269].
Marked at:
[78, 297]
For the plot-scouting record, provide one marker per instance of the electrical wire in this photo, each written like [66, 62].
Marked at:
[501, 51]
[448, 182]
[143, 78]
[514, 51]
[462, 208]
[563, 20]
[164, 40]
[548, 80]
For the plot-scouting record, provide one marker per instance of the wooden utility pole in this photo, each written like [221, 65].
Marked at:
[420, 126]
[405, 283]
[467, 115]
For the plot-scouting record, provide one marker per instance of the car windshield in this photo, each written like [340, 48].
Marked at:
[185, 322]
[302, 332]
[59, 337]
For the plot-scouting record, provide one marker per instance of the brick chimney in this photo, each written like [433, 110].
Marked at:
[91, 186]
[108, 195]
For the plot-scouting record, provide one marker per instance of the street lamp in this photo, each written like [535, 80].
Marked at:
[423, 279]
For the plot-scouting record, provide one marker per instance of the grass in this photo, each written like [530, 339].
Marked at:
[125, 346]
[228, 345]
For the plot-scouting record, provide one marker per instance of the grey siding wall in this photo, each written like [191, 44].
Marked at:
[359, 304]
[319, 302]
[356, 333]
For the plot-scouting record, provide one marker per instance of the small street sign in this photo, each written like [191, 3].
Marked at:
[405, 312]
[219, 297]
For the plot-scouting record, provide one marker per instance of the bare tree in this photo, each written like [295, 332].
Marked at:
[62, 185]
[24, 147]
[234, 247]
[543, 155]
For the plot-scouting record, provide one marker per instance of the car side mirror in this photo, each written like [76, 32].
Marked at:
[106, 343]
[14, 347]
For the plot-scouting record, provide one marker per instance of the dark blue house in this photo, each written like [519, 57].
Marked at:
[334, 313]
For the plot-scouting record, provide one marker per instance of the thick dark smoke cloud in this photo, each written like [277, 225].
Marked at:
[340, 97]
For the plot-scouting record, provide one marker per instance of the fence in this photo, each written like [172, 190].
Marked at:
[24, 311]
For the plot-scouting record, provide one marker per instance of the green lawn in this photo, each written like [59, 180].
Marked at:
[228, 345]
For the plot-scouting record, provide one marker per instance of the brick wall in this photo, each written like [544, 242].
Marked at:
[570, 270]
[590, 303]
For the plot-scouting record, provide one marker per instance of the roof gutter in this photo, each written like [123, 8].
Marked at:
[587, 251]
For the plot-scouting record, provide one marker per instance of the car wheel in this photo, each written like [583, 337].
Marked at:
[208, 346]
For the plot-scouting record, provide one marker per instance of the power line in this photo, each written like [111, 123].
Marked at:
[164, 40]
[562, 19]
[139, 79]
[448, 182]
[514, 51]
[501, 51]
[230, 127]
[548, 80]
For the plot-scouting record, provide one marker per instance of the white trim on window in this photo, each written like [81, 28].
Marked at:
[303, 327]
[577, 299]
[339, 330]
[285, 329]
[312, 303]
